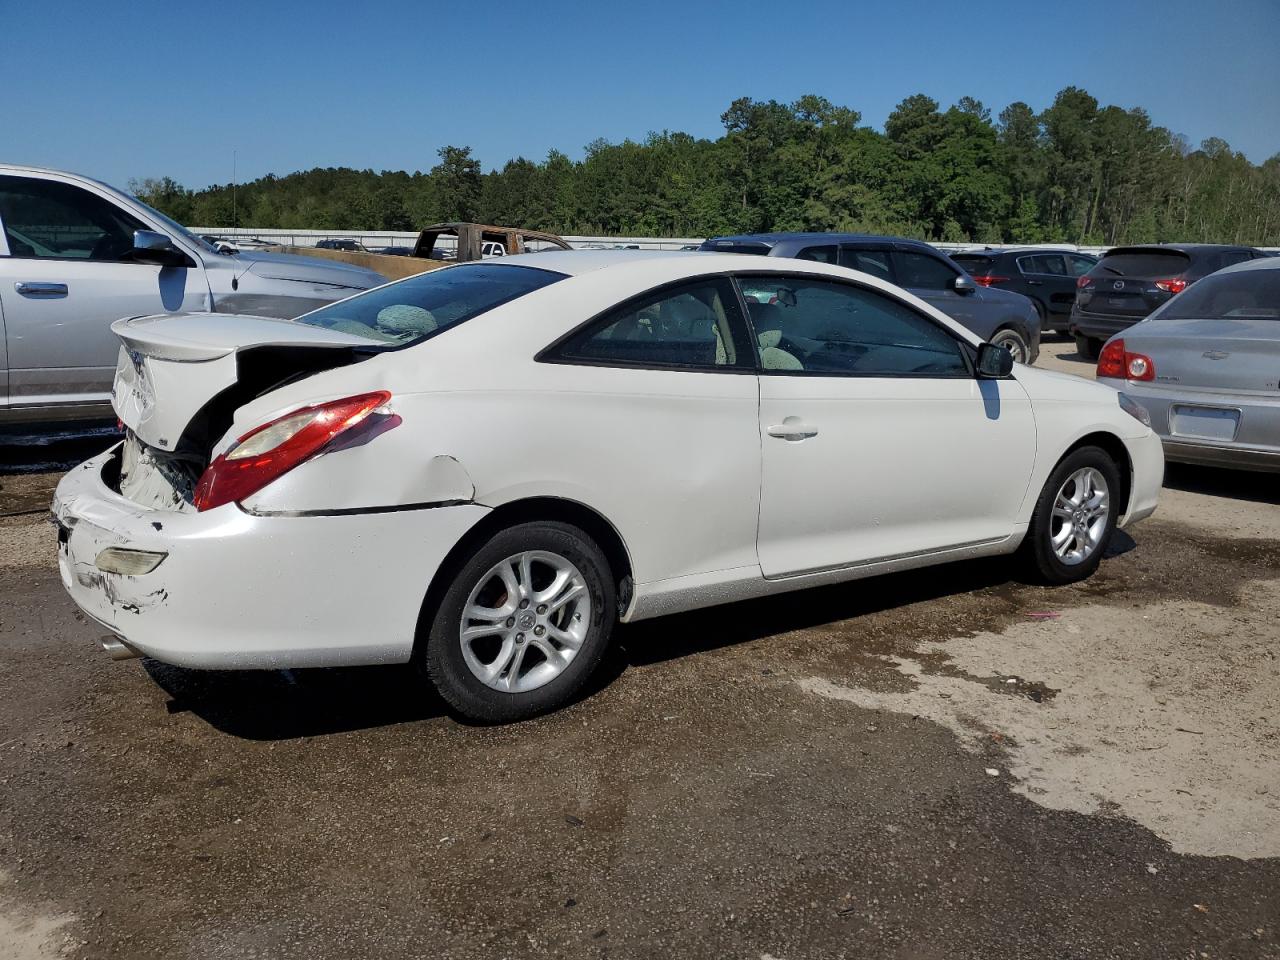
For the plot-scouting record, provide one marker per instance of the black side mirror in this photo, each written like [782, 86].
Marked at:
[152, 247]
[994, 362]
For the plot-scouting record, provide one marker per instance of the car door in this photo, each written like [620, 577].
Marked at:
[664, 406]
[65, 278]
[933, 280]
[1049, 280]
[877, 440]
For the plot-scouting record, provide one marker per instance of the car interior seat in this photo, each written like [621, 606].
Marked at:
[767, 320]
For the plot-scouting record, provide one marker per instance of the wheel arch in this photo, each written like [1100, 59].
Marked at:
[528, 510]
[1116, 449]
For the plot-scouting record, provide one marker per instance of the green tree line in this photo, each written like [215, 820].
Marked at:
[1076, 172]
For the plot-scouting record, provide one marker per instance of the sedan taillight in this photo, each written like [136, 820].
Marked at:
[275, 448]
[1117, 363]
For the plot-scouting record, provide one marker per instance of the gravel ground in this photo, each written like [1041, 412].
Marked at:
[921, 766]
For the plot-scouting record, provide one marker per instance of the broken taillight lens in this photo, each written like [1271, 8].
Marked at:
[273, 449]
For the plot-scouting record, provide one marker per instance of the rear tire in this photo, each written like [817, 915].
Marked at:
[485, 660]
[1074, 519]
[1088, 347]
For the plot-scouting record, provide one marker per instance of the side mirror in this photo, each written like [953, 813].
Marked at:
[152, 247]
[994, 362]
[964, 285]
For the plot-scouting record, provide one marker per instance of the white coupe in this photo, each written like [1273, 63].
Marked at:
[483, 468]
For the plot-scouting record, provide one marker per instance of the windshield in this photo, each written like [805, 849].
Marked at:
[1246, 293]
[424, 305]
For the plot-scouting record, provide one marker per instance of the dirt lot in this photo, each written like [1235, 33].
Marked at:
[922, 766]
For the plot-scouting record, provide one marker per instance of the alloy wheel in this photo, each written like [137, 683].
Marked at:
[524, 621]
[1080, 513]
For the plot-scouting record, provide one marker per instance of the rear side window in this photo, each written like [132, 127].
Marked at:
[1244, 294]
[972, 263]
[422, 306]
[1050, 264]
[688, 327]
[818, 327]
[819, 254]
[47, 218]
[1080, 265]
[874, 262]
[729, 246]
[1144, 264]
[922, 272]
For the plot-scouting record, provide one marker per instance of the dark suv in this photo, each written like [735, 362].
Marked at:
[1046, 277]
[998, 316]
[1130, 282]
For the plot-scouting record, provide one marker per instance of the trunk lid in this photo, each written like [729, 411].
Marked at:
[1236, 355]
[1123, 283]
[172, 367]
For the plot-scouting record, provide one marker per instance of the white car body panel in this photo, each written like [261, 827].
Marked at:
[709, 508]
[893, 470]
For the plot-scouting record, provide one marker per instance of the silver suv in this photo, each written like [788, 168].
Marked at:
[76, 255]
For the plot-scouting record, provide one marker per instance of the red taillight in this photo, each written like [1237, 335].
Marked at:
[273, 449]
[1083, 282]
[1117, 363]
[986, 279]
[1174, 285]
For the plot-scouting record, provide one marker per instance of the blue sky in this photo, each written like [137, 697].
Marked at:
[149, 89]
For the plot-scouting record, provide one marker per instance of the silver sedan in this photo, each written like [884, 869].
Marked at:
[1206, 368]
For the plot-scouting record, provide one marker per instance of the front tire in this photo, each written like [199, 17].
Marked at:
[1074, 517]
[1012, 341]
[523, 625]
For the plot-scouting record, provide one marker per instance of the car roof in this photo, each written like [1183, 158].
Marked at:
[574, 263]
[1187, 248]
[810, 237]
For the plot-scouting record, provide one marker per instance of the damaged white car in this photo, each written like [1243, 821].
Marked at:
[482, 469]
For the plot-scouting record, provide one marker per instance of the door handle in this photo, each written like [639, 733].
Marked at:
[32, 289]
[792, 428]
[1035, 283]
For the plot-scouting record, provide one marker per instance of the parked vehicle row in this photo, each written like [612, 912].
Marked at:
[505, 458]
[76, 255]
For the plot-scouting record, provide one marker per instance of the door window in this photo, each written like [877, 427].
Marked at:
[874, 262]
[821, 327]
[689, 326]
[921, 271]
[46, 218]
